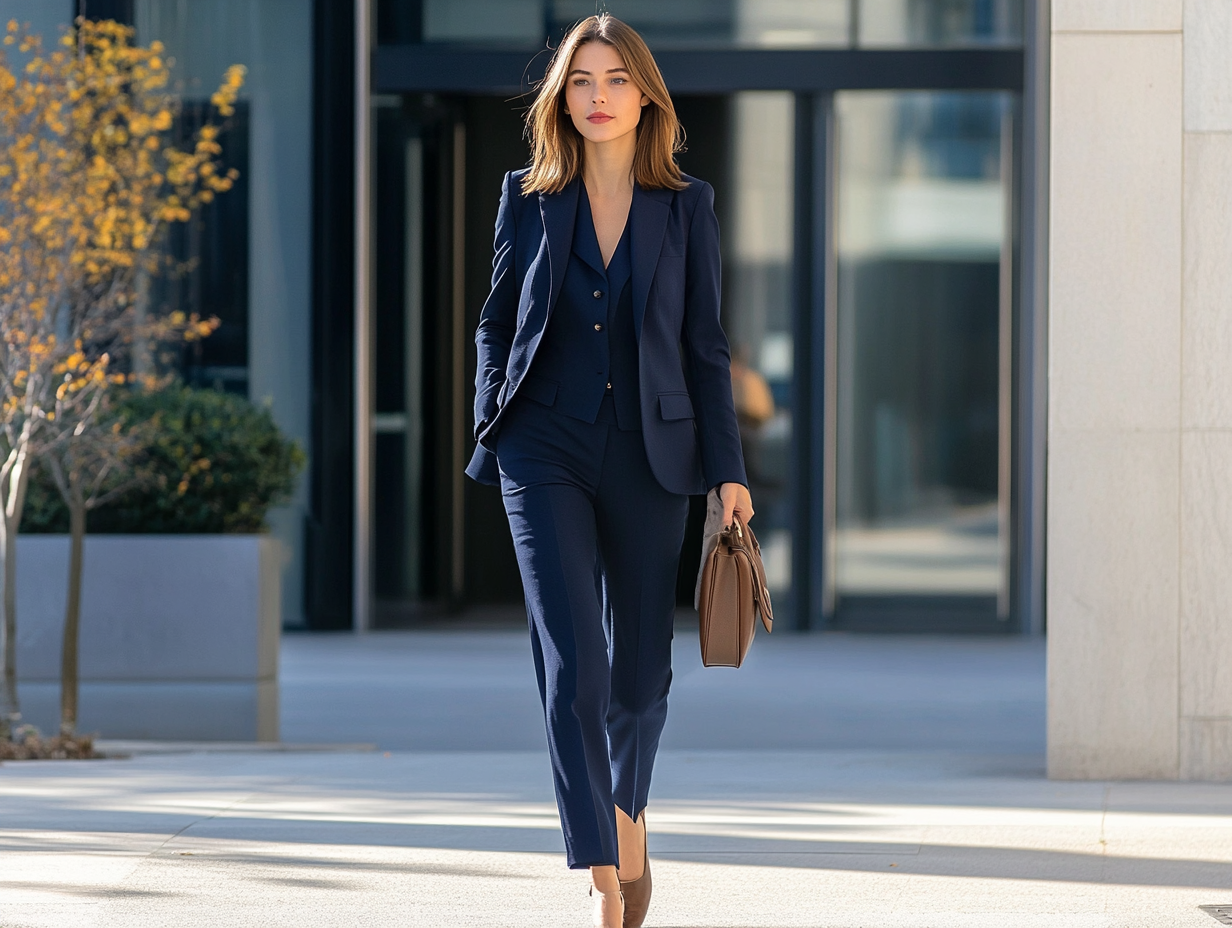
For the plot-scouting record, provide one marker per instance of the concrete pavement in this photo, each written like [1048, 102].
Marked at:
[449, 691]
[849, 782]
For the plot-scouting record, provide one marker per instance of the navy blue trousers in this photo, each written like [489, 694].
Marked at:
[597, 540]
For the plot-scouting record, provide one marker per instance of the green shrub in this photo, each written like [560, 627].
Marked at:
[217, 463]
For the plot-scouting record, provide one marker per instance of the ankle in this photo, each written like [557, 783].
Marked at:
[633, 851]
[604, 880]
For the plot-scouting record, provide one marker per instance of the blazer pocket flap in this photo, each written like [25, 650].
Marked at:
[675, 406]
[540, 390]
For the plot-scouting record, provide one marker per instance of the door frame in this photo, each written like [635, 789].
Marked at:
[814, 76]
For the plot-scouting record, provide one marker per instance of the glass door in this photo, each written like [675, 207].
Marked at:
[757, 310]
[922, 334]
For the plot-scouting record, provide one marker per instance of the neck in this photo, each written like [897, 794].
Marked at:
[607, 167]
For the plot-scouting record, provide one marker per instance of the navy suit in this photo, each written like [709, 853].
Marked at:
[603, 398]
[688, 420]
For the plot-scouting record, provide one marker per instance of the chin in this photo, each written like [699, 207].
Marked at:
[601, 133]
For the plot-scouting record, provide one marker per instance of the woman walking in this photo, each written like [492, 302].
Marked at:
[603, 399]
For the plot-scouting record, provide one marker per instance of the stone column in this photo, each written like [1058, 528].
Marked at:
[1140, 390]
[1205, 646]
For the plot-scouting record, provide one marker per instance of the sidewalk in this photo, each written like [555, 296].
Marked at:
[832, 781]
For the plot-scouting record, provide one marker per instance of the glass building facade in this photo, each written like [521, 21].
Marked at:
[734, 23]
[923, 328]
[875, 174]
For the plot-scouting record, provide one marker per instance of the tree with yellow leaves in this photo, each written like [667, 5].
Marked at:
[90, 179]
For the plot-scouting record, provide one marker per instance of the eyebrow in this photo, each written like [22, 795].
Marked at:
[587, 73]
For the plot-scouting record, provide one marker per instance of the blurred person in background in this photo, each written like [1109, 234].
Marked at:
[754, 406]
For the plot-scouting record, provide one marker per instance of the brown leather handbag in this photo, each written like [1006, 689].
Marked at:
[732, 595]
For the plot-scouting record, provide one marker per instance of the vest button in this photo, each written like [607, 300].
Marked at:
[598, 327]
[598, 294]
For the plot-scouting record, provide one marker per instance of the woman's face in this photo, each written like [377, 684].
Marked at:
[600, 96]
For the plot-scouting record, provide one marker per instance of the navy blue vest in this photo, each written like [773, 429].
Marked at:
[589, 347]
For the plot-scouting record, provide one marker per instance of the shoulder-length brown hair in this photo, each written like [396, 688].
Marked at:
[557, 145]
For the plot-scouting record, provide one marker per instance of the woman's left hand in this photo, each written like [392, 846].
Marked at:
[736, 500]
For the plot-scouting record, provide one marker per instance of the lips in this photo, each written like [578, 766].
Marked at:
[599, 118]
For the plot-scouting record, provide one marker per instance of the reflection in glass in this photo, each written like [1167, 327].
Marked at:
[502, 20]
[757, 311]
[761, 23]
[792, 23]
[214, 276]
[940, 22]
[754, 23]
[921, 242]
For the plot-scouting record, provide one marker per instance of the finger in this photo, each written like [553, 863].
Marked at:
[744, 504]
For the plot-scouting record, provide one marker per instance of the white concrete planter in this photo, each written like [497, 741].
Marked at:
[179, 635]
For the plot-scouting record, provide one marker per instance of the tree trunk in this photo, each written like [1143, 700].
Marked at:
[72, 618]
[12, 500]
[10, 708]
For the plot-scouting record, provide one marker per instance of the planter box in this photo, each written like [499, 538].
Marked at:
[179, 635]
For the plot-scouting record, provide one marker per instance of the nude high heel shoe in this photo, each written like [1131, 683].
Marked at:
[637, 892]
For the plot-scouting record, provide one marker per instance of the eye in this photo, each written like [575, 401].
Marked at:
[579, 82]
[620, 80]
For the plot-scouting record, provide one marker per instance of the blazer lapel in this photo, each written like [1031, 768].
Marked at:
[585, 239]
[648, 214]
[558, 211]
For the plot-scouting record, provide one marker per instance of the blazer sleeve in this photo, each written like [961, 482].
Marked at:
[498, 320]
[707, 354]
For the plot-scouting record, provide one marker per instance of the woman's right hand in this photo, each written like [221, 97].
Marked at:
[736, 500]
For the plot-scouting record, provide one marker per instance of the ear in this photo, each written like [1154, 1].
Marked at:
[645, 99]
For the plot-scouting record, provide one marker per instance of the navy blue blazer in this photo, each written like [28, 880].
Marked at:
[684, 363]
